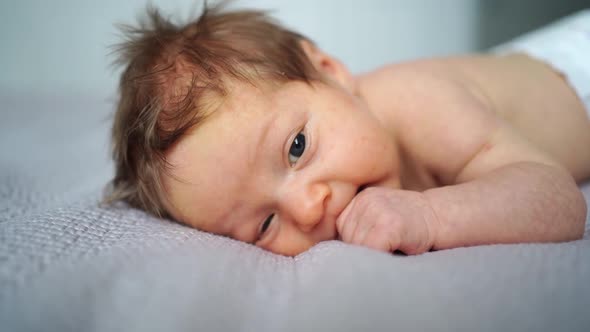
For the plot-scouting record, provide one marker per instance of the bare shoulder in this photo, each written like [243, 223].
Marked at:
[529, 97]
[440, 119]
[421, 88]
[458, 118]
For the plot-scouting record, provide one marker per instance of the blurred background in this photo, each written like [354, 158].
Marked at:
[57, 88]
[61, 47]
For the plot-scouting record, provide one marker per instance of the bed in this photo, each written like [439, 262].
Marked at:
[68, 264]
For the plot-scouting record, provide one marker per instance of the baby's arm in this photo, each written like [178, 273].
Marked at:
[503, 188]
[508, 194]
[496, 186]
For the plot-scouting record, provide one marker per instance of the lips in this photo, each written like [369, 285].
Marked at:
[361, 188]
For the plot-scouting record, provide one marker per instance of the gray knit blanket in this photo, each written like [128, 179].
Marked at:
[68, 264]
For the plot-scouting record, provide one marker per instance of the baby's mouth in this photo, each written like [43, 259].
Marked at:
[361, 188]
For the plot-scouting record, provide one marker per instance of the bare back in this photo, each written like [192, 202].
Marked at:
[540, 105]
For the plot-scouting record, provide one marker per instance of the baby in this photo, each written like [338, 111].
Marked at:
[234, 125]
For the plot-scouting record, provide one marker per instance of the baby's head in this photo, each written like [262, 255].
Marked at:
[237, 126]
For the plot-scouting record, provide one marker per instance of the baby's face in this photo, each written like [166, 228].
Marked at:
[276, 168]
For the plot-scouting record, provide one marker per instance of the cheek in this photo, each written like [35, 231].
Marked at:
[370, 140]
[374, 151]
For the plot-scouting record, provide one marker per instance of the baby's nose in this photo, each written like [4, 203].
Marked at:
[307, 206]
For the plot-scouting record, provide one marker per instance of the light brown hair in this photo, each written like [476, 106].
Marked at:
[171, 70]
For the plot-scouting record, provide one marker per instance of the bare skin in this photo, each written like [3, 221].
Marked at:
[491, 144]
[452, 152]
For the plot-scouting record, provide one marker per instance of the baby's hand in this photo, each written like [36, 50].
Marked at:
[388, 220]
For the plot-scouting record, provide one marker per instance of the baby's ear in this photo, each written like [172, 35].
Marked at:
[328, 66]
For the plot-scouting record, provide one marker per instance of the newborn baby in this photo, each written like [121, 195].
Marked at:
[235, 125]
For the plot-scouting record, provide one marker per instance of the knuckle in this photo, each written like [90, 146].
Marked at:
[368, 202]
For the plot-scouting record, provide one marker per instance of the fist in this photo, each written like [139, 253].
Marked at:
[389, 219]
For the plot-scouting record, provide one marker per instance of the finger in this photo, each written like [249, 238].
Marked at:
[416, 239]
[349, 229]
[383, 239]
[377, 240]
[364, 226]
[394, 240]
[346, 223]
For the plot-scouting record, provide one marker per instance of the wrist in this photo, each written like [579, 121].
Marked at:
[432, 226]
[433, 222]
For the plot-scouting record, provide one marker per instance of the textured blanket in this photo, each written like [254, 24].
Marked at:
[67, 264]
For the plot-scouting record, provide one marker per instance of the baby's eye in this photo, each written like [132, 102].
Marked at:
[265, 225]
[297, 148]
